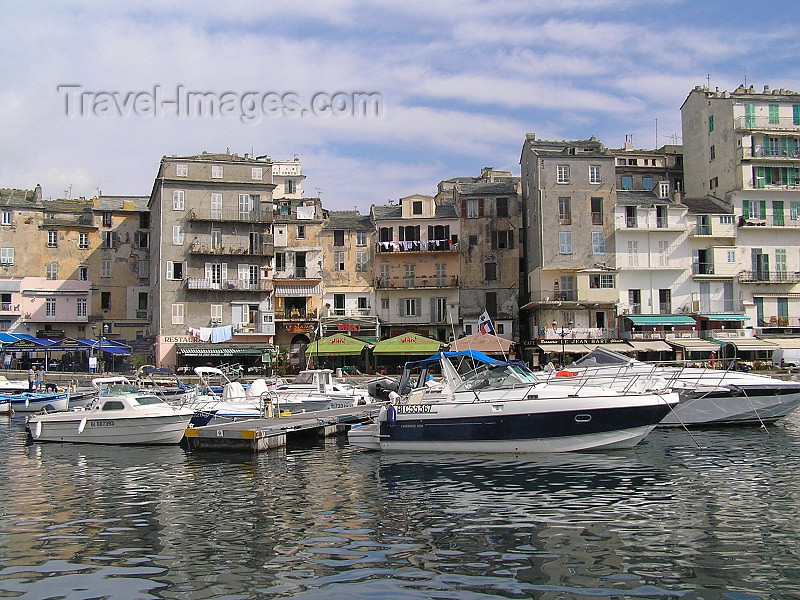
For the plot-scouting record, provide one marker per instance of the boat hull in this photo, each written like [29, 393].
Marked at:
[521, 426]
[738, 406]
[81, 427]
[28, 403]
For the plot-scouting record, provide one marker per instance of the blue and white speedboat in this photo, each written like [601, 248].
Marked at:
[504, 407]
[31, 402]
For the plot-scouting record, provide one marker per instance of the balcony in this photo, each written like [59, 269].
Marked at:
[350, 312]
[297, 273]
[296, 314]
[228, 285]
[759, 123]
[256, 215]
[769, 153]
[9, 307]
[405, 283]
[202, 246]
[703, 269]
[769, 277]
[416, 246]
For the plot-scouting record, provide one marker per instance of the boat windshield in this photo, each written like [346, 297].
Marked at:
[497, 376]
[118, 389]
[304, 377]
[144, 400]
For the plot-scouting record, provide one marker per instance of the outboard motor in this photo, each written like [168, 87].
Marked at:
[379, 388]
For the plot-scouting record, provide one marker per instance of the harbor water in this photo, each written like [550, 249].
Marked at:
[667, 519]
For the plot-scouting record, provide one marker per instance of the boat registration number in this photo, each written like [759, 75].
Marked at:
[102, 423]
[413, 409]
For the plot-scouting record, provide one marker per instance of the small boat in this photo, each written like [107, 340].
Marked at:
[501, 406]
[121, 414]
[13, 386]
[217, 398]
[708, 396]
[30, 402]
[5, 407]
[162, 381]
[316, 389]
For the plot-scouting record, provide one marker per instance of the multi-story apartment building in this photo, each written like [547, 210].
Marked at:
[568, 194]
[211, 251]
[297, 273]
[287, 175]
[660, 171]
[45, 249]
[744, 148]
[417, 267]
[491, 218]
[119, 268]
[347, 239]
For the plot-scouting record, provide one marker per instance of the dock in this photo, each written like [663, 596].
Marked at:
[256, 435]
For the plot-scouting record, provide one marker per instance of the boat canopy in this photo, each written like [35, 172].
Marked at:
[471, 354]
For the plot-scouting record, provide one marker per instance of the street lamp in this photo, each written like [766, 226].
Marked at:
[563, 343]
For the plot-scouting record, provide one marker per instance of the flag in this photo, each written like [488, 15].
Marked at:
[485, 323]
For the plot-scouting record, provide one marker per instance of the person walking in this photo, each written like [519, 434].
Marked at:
[31, 378]
[40, 379]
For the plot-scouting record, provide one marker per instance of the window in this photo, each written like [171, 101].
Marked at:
[50, 307]
[564, 211]
[441, 274]
[105, 300]
[216, 205]
[472, 240]
[730, 256]
[81, 308]
[501, 207]
[142, 305]
[51, 270]
[109, 239]
[796, 114]
[597, 211]
[83, 240]
[338, 260]
[662, 217]
[794, 209]
[338, 237]
[664, 301]
[144, 220]
[503, 240]
[52, 239]
[710, 123]
[635, 301]
[301, 232]
[177, 314]
[339, 304]
[410, 274]
[627, 182]
[468, 329]
[384, 304]
[603, 282]
[280, 261]
[774, 111]
[703, 226]
[7, 217]
[246, 207]
[780, 263]
[633, 253]
[175, 270]
[361, 261]
[83, 273]
[107, 220]
[289, 186]
[490, 271]
[755, 209]
[777, 213]
[416, 207]
[594, 174]
[105, 267]
[726, 220]
[630, 217]
[565, 242]
[177, 200]
[181, 170]
[142, 239]
[712, 152]
[144, 269]
[663, 253]
[256, 173]
[562, 173]
[361, 238]
[6, 256]
[713, 183]
[216, 313]
[216, 172]
[177, 235]
[647, 183]
[472, 208]
[598, 242]
[412, 307]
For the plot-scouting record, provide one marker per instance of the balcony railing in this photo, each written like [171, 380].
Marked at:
[257, 215]
[204, 247]
[769, 277]
[417, 246]
[294, 314]
[769, 152]
[351, 312]
[416, 282]
[9, 307]
[766, 123]
[703, 269]
[199, 283]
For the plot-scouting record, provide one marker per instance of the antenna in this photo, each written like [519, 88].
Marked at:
[656, 132]
[708, 81]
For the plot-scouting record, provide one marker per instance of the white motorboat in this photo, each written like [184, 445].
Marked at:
[162, 381]
[503, 407]
[5, 407]
[121, 414]
[708, 396]
[13, 386]
[31, 402]
[218, 398]
[316, 389]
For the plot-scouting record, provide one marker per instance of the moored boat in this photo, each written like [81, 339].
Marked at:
[31, 402]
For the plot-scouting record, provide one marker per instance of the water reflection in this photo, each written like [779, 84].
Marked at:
[326, 520]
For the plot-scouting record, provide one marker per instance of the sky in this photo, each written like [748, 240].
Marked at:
[91, 91]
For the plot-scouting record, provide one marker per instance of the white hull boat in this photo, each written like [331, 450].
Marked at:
[33, 402]
[234, 403]
[121, 416]
[5, 407]
[316, 389]
[503, 408]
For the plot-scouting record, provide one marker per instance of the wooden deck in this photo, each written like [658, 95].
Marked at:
[255, 435]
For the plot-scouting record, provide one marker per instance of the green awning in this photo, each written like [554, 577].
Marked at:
[336, 345]
[660, 320]
[726, 317]
[408, 343]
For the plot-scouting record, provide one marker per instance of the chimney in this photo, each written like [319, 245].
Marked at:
[37, 193]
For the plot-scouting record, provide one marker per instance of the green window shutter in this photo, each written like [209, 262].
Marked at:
[763, 206]
[794, 208]
[796, 114]
[794, 176]
[760, 177]
[767, 175]
[784, 146]
[777, 213]
[749, 115]
[774, 119]
[710, 123]
[746, 209]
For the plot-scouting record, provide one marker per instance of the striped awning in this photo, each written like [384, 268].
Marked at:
[751, 344]
[221, 350]
[650, 346]
[694, 345]
[784, 342]
[298, 291]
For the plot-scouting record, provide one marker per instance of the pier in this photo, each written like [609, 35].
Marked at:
[256, 435]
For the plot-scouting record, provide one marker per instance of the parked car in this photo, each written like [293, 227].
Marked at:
[786, 357]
